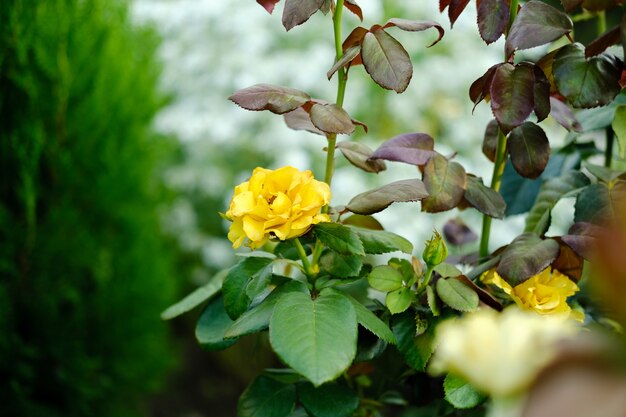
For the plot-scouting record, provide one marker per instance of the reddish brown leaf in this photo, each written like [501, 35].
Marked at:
[568, 262]
[386, 61]
[455, 9]
[480, 88]
[458, 233]
[493, 16]
[274, 98]
[529, 149]
[511, 93]
[410, 148]
[603, 42]
[541, 93]
[268, 4]
[443, 4]
[354, 38]
[490, 141]
[354, 8]
[297, 12]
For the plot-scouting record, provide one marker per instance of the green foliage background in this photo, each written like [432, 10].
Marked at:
[84, 269]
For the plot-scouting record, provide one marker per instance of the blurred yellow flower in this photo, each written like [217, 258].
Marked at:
[498, 353]
[283, 203]
[545, 293]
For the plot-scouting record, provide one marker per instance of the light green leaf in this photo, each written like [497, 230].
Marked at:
[447, 270]
[258, 318]
[212, 326]
[317, 337]
[380, 241]
[236, 297]
[339, 238]
[619, 127]
[328, 400]
[385, 278]
[399, 300]
[416, 350]
[266, 397]
[431, 298]
[457, 295]
[196, 298]
[341, 266]
[460, 393]
[538, 219]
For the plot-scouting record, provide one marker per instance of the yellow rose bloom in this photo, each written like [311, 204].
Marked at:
[498, 353]
[282, 203]
[545, 293]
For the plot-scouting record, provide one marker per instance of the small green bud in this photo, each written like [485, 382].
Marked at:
[436, 250]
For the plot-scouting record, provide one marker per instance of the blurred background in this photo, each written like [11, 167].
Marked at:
[118, 148]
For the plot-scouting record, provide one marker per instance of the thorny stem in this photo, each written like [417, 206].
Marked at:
[498, 165]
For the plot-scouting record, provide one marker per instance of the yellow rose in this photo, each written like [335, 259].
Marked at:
[545, 293]
[283, 203]
[498, 353]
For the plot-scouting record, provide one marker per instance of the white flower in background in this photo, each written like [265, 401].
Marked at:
[498, 353]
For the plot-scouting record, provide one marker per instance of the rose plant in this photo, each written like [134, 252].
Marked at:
[357, 334]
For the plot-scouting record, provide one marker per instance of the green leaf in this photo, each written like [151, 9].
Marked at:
[457, 295]
[258, 318]
[619, 127]
[431, 298]
[378, 199]
[512, 98]
[341, 266]
[536, 24]
[416, 350]
[586, 82]
[331, 118]
[460, 393]
[236, 297]
[529, 149]
[266, 397]
[385, 278]
[386, 61]
[538, 219]
[493, 16]
[358, 155]
[297, 12]
[525, 257]
[363, 222]
[447, 270]
[317, 338]
[197, 297]
[274, 98]
[445, 183]
[339, 238]
[370, 321]
[600, 203]
[399, 300]
[483, 198]
[212, 326]
[380, 241]
[328, 400]
[603, 174]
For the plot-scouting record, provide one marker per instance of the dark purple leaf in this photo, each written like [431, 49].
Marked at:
[541, 93]
[480, 88]
[511, 93]
[582, 238]
[493, 16]
[483, 198]
[585, 82]
[568, 262]
[564, 115]
[297, 12]
[536, 24]
[358, 155]
[276, 99]
[603, 42]
[345, 60]
[331, 118]
[458, 233]
[386, 61]
[299, 119]
[445, 182]
[490, 141]
[354, 8]
[376, 200]
[455, 9]
[415, 26]
[268, 4]
[525, 257]
[529, 149]
[410, 148]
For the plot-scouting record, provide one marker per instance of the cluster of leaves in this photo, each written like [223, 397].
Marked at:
[312, 311]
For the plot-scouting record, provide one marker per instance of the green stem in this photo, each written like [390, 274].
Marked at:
[303, 257]
[601, 23]
[427, 276]
[608, 152]
[512, 13]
